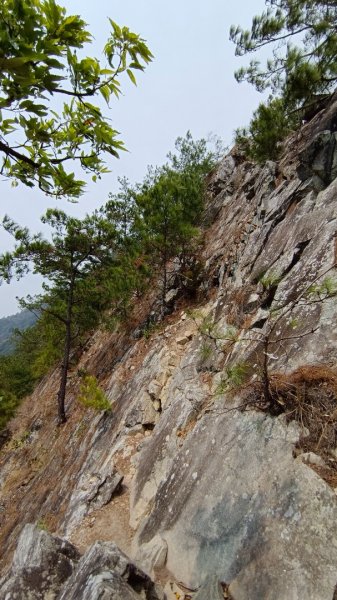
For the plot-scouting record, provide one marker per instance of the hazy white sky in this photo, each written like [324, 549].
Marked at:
[189, 85]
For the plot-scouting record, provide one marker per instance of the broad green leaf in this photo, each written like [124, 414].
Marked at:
[105, 91]
[132, 77]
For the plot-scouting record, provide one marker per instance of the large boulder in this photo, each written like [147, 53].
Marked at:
[49, 568]
[41, 564]
[106, 572]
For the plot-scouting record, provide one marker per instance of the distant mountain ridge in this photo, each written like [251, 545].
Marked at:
[21, 320]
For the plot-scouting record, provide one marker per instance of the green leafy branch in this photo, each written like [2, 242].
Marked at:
[39, 59]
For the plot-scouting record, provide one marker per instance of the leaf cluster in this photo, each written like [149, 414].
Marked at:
[302, 35]
[269, 126]
[323, 290]
[300, 72]
[161, 215]
[92, 396]
[46, 93]
[233, 377]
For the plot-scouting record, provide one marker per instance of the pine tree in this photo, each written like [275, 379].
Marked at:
[76, 264]
[303, 37]
[270, 125]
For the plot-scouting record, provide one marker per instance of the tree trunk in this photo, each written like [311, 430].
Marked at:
[164, 259]
[164, 287]
[64, 376]
[66, 353]
[265, 373]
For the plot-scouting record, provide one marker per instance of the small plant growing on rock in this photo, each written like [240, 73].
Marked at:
[266, 333]
[326, 289]
[20, 441]
[42, 524]
[234, 376]
[92, 396]
[206, 351]
[150, 328]
[269, 280]
[213, 338]
[209, 329]
[269, 126]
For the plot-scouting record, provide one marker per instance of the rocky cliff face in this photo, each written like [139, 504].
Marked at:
[217, 466]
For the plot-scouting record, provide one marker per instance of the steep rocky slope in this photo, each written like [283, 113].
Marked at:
[217, 465]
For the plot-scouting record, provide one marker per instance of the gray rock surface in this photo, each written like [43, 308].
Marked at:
[106, 572]
[319, 159]
[235, 503]
[41, 564]
[96, 488]
[153, 555]
[48, 568]
[103, 586]
[103, 487]
[222, 487]
[210, 589]
[219, 485]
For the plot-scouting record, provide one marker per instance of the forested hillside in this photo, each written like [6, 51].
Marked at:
[8, 325]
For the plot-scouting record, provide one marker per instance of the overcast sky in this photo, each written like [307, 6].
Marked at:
[188, 86]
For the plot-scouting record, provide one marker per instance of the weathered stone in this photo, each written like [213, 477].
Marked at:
[149, 414]
[106, 489]
[102, 586]
[48, 568]
[41, 564]
[238, 517]
[144, 411]
[153, 555]
[157, 405]
[311, 458]
[265, 183]
[210, 589]
[106, 572]
[173, 360]
[253, 299]
[219, 180]
[319, 158]
[184, 339]
[101, 487]
[172, 295]
[94, 489]
[154, 389]
[134, 417]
